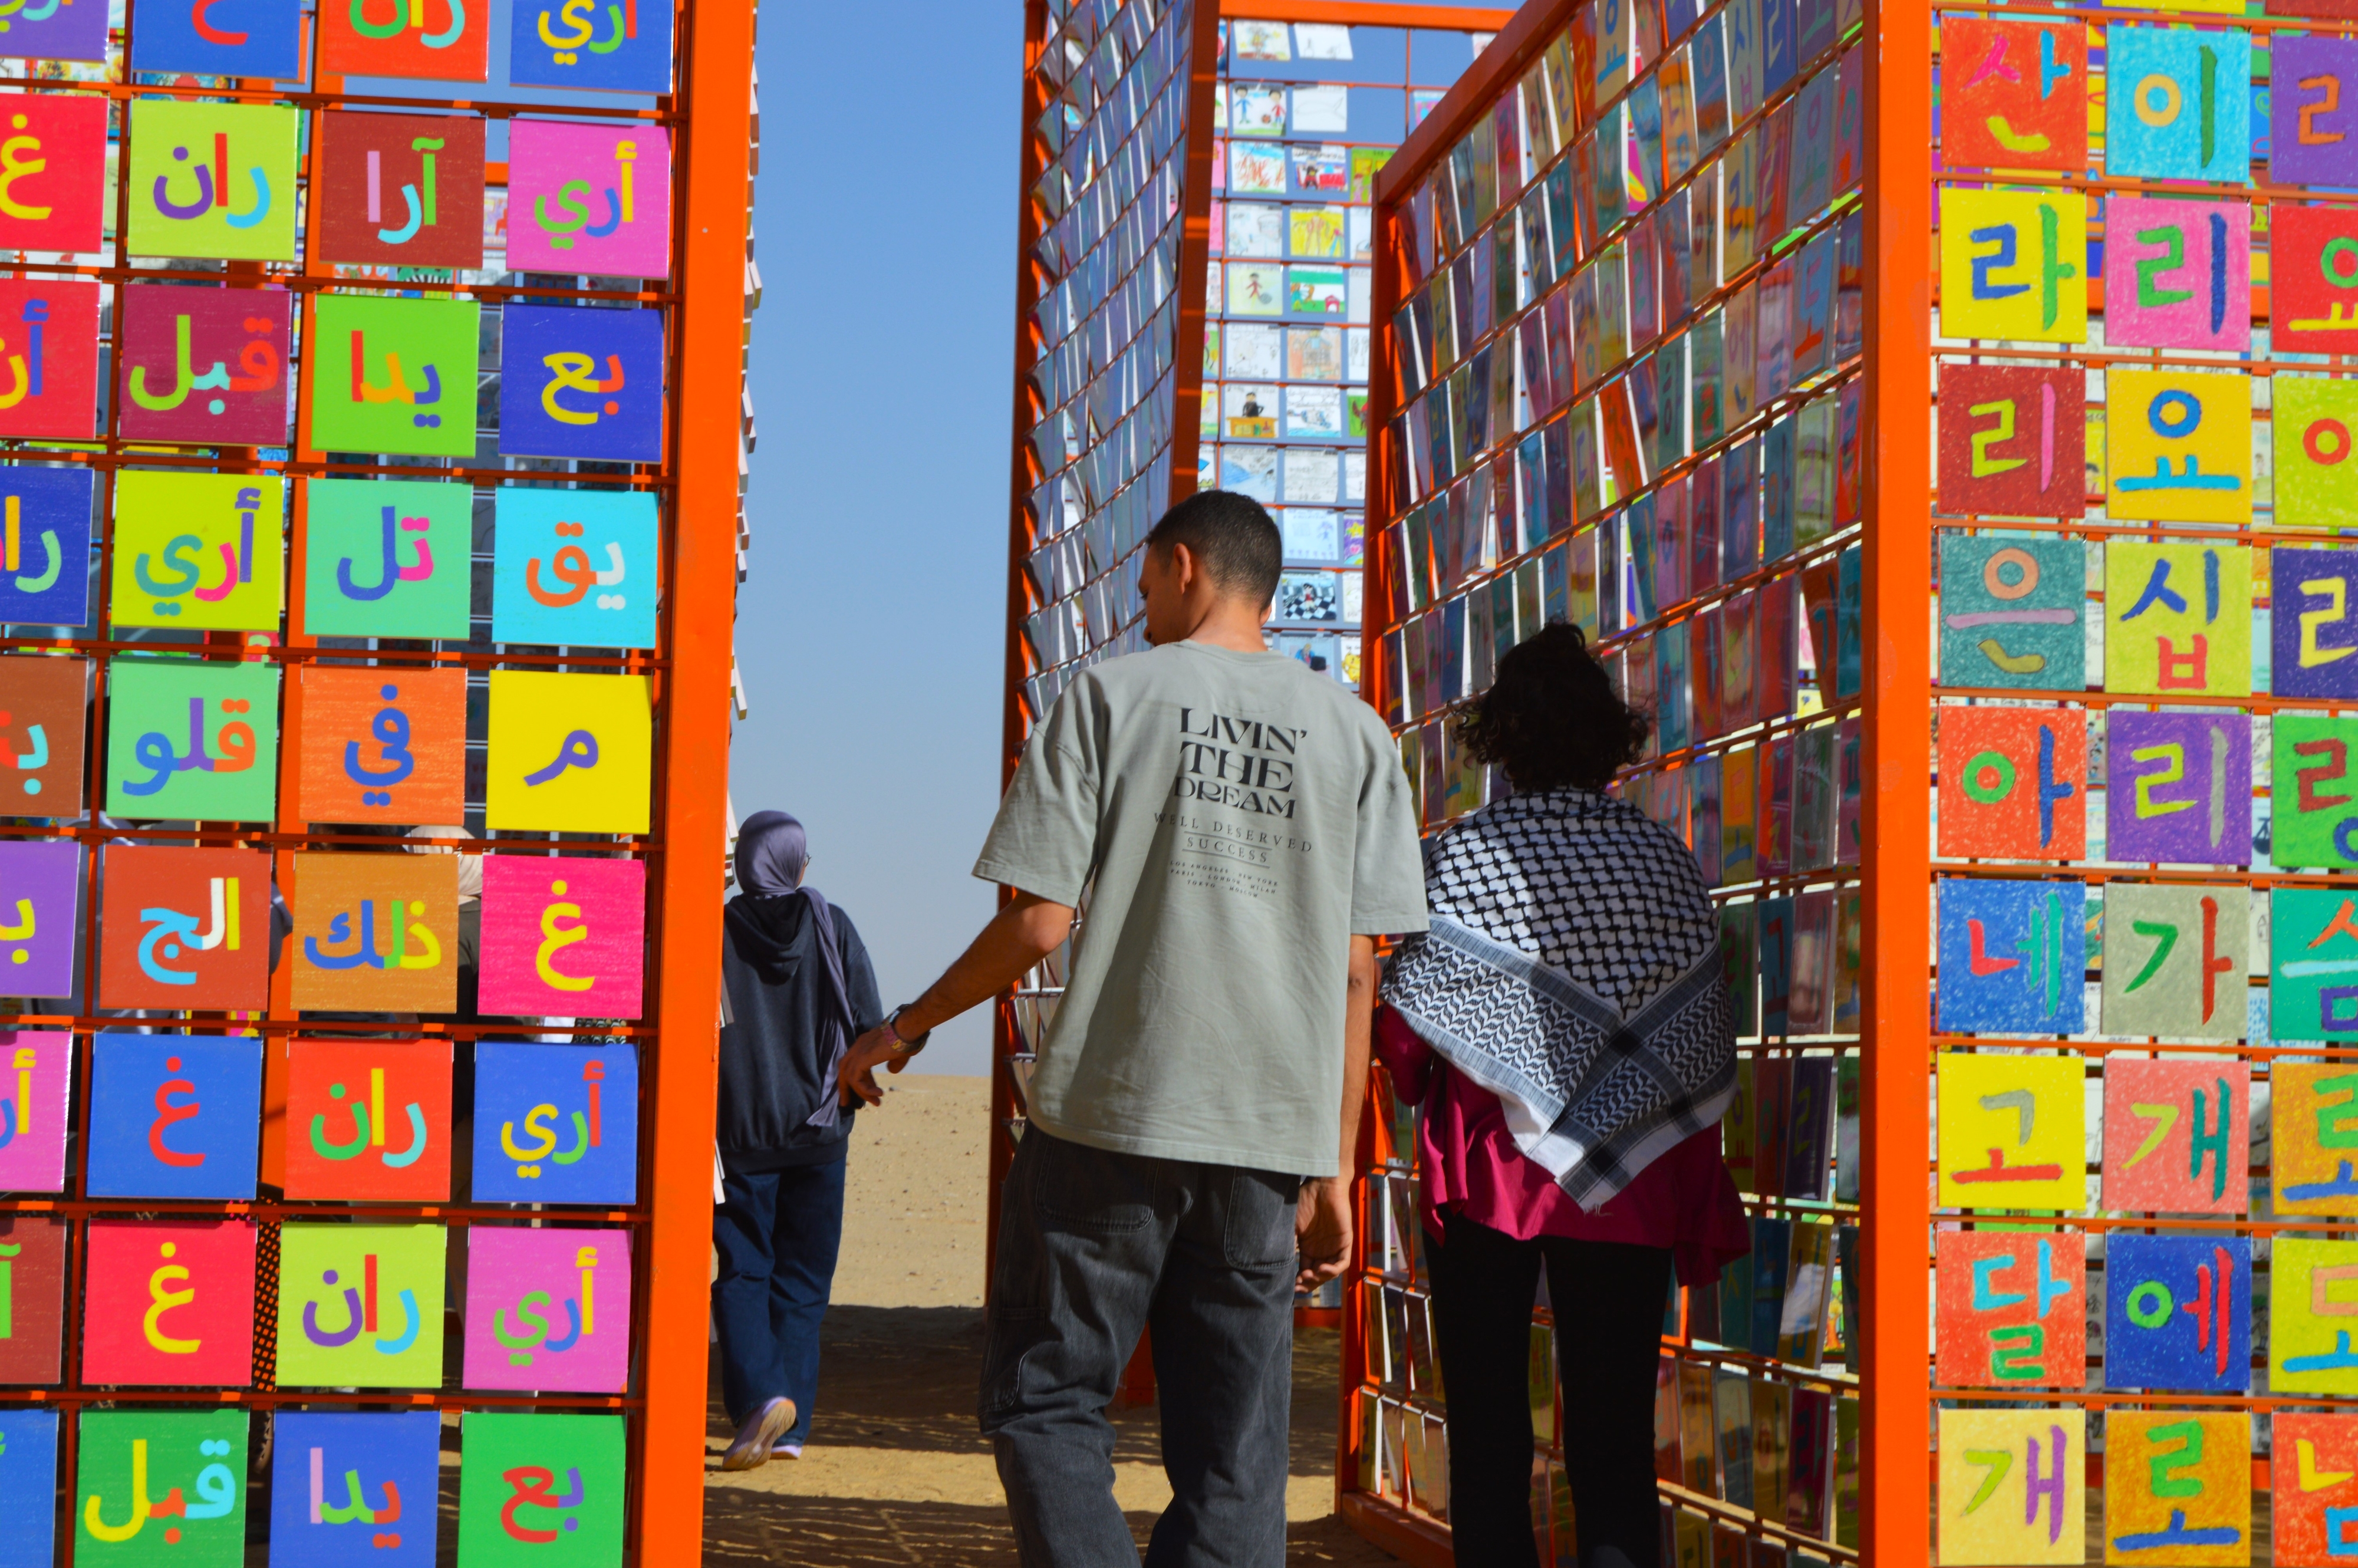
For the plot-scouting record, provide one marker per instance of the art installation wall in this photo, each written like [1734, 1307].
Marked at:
[339, 530]
[2117, 610]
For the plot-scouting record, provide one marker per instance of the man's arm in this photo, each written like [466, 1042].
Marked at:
[1026, 931]
[1322, 1225]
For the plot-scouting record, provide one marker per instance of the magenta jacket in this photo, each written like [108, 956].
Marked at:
[1467, 1163]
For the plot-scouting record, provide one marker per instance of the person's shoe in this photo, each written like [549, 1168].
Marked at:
[763, 1428]
[787, 1451]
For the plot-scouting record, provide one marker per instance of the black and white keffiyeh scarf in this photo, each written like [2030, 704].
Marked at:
[1572, 969]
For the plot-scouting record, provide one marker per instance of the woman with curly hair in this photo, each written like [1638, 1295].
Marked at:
[1566, 1031]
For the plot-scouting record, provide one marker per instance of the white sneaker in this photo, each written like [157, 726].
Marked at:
[763, 1428]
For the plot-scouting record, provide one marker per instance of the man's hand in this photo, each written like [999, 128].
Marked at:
[855, 1076]
[1322, 1231]
[1026, 930]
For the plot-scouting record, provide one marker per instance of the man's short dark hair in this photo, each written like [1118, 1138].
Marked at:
[1231, 536]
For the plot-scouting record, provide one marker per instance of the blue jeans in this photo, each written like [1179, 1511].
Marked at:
[777, 1236]
[1093, 1248]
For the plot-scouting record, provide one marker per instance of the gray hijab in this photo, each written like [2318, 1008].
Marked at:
[772, 852]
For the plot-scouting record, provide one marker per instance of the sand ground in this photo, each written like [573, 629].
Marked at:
[896, 1473]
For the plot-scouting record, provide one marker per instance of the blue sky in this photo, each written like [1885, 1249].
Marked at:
[872, 624]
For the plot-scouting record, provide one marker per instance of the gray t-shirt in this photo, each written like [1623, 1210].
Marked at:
[1235, 819]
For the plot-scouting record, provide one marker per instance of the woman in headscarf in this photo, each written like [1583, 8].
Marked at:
[1566, 1029]
[800, 990]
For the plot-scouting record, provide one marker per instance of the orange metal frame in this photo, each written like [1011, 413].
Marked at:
[1894, 1047]
[713, 154]
[1005, 1103]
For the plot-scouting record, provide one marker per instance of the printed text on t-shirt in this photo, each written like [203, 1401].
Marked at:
[1241, 762]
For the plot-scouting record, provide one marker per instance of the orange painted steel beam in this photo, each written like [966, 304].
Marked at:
[1520, 41]
[713, 154]
[1376, 679]
[1194, 254]
[1896, 1495]
[1350, 1427]
[1369, 14]
[275, 1049]
[1525, 34]
[1006, 1038]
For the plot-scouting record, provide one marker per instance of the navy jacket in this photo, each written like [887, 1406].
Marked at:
[771, 1063]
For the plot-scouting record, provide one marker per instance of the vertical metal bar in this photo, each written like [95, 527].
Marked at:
[98, 613]
[306, 459]
[1896, 847]
[713, 156]
[1384, 290]
[1194, 251]
[1005, 1037]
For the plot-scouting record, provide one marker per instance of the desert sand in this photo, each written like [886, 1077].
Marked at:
[895, 1472]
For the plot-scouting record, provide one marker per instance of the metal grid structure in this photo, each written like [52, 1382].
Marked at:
[652, 1506]
[1621, 283]
[1124, 366]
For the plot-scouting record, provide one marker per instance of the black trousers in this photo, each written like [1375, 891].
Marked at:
[1607, 1299]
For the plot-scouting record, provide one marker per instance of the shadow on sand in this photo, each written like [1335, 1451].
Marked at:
[904, 1377]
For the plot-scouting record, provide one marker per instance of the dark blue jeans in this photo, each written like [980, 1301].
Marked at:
[1093, 1248]
[777, 1236]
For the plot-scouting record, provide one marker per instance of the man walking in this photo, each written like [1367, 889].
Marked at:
[1239, 830]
